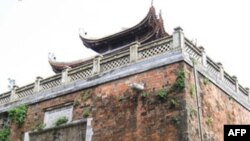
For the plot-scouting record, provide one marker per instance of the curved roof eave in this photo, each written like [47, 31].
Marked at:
[151, 12]
[59, 66]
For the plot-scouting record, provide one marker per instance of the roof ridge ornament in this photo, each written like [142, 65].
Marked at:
[12, 83]
[148, 29]
[160, 15]
[82, 32]
[51, 56]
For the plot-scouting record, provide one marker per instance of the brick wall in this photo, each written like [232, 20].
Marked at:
[120, 113]
[217, 109]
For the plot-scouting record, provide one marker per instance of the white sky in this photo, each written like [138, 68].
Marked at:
[30, 29]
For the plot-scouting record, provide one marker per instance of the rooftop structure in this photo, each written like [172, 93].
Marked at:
[149, 29]
[135, 52]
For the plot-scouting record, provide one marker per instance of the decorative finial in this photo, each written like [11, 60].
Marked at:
[160, 16]
[82, 32]
[152, 2]
[52, 56]
[12, 83]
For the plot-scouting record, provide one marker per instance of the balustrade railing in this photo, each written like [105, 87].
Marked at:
[81, 72]
[109, 61]
[194, 53]
[243, 91]
[25, 90]
[50, 82]
[215, 69]
[114, 60]
[154, 48]
[122, 57]
[5, 98]
[229, 81]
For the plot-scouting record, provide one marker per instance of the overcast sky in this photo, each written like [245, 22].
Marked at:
[30, 29]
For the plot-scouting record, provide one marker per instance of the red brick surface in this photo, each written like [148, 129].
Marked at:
[119, 113]
[217, 109]
[122, 114]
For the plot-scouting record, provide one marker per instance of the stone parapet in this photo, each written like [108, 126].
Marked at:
[124, 57]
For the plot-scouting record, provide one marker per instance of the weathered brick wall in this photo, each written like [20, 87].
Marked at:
[120, 113]
[221, 109]
[217, 109]
[190, 97]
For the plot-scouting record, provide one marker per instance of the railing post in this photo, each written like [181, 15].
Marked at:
[96, 64]
[37, 84]
[203, 56]
[236, 84]
[65, 77]
[221, 70]
[13, 95]
[248, 92]
[134, 51]
[178, 38]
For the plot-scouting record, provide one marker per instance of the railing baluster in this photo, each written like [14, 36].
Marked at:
[221, 70]
[236, 84]
[178, 38]
[13, 95]
[37, 87]
[65, 78]
[96, 64]
[248, 92]
[203, 56]
[134, 51]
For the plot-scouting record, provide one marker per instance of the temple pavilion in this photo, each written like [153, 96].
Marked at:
[149, 29]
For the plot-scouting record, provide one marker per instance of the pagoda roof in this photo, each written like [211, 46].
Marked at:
[149, 29]
[60, 66]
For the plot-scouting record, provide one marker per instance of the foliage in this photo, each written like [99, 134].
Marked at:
[193, 113]
[179, 84]
[206, 81]
[18, 114]
[85, 95]
[76, 103]
[174, 103]
[40, 126]
[86, 113]
[162, 93]
[175, 120]
[209, 120]
[144, 94]
[121, 98]
[4, 134]
[61, 120]
[192, 91]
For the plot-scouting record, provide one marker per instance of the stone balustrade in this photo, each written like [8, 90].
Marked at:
[126, 55]
[215, 69]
